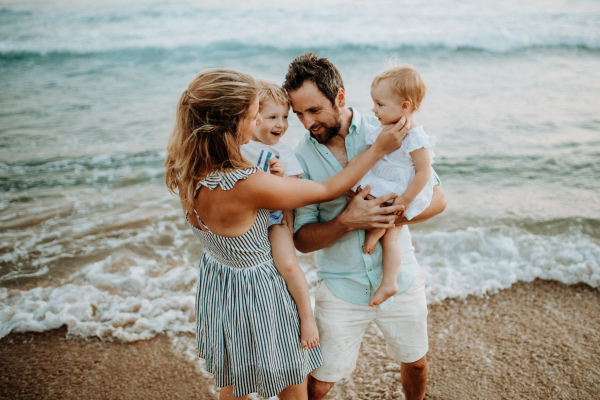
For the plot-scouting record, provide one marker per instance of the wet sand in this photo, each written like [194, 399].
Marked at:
[535, 340]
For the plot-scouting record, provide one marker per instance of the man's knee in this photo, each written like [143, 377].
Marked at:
[417, 366]
[318, 389]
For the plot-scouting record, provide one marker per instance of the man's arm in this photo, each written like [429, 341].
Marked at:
[437, 206]
[359, 214]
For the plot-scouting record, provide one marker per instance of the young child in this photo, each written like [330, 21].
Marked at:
[397, 92]
[265, 151]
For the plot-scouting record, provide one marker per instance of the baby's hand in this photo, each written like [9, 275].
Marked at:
[276, 166]
[401, 201]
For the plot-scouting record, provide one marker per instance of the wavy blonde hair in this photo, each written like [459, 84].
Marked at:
[206, 137]
[405, 81]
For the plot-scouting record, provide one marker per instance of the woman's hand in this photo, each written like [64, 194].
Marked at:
[391, 137]
[276, 166]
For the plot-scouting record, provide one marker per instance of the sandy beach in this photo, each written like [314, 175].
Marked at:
[535, 340]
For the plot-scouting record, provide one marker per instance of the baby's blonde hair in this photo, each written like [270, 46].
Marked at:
[405, 81]
[269, 90]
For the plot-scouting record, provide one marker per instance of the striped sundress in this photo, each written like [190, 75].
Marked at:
[247, 324]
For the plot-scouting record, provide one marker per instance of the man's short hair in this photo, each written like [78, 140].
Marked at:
[321, 71]
[271, 91]
[405, 82]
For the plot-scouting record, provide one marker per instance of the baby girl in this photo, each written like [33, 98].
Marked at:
[397, 92]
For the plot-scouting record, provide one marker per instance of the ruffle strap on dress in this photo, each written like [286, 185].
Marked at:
[225, 179]
[417, 139]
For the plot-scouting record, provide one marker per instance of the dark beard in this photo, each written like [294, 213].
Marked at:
[330, 132]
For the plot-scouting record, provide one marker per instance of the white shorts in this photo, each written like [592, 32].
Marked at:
[342, 325]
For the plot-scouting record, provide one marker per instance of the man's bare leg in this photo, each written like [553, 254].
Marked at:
[294, 392]
[318, 389]
[413, 377]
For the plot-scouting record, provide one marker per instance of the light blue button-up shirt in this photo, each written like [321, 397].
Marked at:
[348, 272]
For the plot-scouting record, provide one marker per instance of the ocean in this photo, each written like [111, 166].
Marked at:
[91, 238]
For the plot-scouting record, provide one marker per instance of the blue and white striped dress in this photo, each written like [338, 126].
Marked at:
[247, 324]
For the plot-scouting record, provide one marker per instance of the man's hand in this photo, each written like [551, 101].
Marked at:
[276, 166]
[369, 214]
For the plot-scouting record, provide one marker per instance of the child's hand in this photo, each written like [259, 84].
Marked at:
[288, 218]
[403, 202]
[276, 166]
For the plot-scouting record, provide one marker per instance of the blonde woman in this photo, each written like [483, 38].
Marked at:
[247, 324]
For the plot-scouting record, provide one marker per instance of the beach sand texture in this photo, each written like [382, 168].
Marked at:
[536, 340]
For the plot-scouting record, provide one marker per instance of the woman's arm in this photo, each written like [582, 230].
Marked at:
[437, 206]
[262, 190]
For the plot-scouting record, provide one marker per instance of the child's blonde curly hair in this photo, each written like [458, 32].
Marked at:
[269, 90]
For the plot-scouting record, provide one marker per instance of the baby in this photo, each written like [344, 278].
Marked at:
[265, 151]
[397, 92]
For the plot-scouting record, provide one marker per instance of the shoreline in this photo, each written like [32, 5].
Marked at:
[533, 340]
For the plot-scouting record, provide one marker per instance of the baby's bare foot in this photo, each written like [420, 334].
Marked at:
[371, 238]
[370, 243]
[309, 335]
[384, 292]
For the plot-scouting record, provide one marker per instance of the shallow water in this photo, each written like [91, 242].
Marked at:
[91, 238]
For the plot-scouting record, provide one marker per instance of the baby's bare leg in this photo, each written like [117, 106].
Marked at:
[392, 257]
[372, 236]
[284, 256]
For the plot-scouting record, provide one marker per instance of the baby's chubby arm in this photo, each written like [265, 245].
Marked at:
[422, 162]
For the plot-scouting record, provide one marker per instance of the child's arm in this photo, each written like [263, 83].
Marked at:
[422, 163]
[288, 215]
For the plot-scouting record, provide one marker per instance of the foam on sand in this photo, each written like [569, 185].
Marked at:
[128, 297]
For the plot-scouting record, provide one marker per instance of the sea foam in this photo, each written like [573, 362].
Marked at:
[131, 298]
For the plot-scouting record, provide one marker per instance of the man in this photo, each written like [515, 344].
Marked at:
[335, 230]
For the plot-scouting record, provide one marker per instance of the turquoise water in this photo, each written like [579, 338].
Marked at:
[88, 98]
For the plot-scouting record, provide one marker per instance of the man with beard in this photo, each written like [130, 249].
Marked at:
[336, 231]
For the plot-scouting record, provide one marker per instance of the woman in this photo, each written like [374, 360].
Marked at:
[247, 325]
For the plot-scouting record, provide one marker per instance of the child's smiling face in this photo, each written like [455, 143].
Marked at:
[387, 105]
[274, 125]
